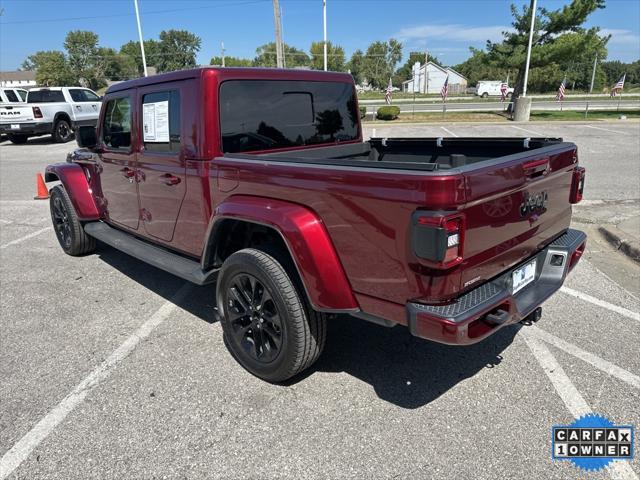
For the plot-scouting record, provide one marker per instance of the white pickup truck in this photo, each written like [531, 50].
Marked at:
[53, 110]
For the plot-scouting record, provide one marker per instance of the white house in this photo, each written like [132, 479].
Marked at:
[18, 79]
[429, 78]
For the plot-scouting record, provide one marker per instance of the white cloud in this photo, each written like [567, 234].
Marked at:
[452, 32]
[621, 37]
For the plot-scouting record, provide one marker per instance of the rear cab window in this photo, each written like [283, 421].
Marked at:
[45, 96]
[11, 96]
[160, 118]
[116, 124]
[274, 114]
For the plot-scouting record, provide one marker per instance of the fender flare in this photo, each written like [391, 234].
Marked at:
[307, 240]
[74, 180]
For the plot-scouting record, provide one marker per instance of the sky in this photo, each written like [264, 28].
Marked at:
[445, 28]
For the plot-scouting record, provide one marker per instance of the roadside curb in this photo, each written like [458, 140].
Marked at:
[390, 123]
[613, 235]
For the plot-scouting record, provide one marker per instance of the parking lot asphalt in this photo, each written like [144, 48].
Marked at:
[110, 368]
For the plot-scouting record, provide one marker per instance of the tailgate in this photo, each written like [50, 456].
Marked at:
[15, 113]
[515, 206]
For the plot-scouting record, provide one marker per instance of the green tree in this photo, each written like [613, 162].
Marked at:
[614, 69]
[558, 38]
[83, 58]
[335, 57]
[380, 62]
[266, 56]
[231, 61]
[478, 67]
[355, 66]
[52, 68]
[177, 50]
[131, 51]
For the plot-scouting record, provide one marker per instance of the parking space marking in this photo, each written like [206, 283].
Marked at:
[528, 131]
[570, 396]
[26, 237]
[594, 360]
[601, 303]
[449, 132]
[23, 448]
[607, 129]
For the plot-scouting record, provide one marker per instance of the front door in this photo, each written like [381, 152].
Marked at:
[161, 162]
[118, 163]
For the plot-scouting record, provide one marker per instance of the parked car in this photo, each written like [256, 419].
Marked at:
[58, 111]
[491, 88]
[258, 180]
[12, 95]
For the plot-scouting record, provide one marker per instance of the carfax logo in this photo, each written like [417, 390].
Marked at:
[592, 442]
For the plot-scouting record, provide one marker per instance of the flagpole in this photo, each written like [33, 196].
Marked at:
[144, 58]
[324, 18]
[526, 68]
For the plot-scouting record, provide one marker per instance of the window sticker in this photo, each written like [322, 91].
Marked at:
[156, 121]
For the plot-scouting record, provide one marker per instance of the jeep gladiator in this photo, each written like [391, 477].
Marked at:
[259, 181]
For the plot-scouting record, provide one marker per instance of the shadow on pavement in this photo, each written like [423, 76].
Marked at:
[404, 370]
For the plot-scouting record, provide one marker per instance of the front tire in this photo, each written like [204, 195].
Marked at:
[267, 325]
[69, 231]
[485, 95]
[62, 132]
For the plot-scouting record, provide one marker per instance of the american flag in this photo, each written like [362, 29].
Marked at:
[618, 86]
[445, 89]
[560, 94]
[504, 88]
[387, 93]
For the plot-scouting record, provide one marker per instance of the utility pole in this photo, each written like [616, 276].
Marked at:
[324, 19]
[426, 72]
[532, 9]
[144, 59]
[222, 43]
[593, 75]
[278, 24]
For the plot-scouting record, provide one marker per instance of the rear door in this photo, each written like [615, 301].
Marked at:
[119, 193]
[161, 159]
[85, 105]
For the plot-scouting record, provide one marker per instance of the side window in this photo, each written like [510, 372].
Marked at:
[77, 95]
[161, 121]
[89, 96]
[23, 94]
[11, 96]
[116, 126]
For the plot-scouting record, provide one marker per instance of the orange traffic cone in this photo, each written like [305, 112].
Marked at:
[43, 193]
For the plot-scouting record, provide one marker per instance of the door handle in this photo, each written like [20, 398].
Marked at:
[169, 179]
[536, 168]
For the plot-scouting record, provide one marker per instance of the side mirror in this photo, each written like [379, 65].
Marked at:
[86, 137]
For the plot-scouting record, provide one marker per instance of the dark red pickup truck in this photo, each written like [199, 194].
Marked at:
[258, 181]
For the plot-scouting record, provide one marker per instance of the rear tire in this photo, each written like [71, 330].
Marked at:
[485, 95]
[18, 139]
[69, 231]
[62, 132]
[268, 326]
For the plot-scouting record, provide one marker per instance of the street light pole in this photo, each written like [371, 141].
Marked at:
[526, 69]
[324, 19]
[144, 59]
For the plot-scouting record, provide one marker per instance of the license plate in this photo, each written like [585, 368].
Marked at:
[15, 126]
[523, 276]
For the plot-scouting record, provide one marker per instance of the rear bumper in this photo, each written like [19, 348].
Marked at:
[29, 128]
[484, 310]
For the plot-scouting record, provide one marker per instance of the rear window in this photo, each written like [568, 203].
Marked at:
[270, 114]
[45, 96]
[11, 96]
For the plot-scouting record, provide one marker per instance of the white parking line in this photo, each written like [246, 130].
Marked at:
[23, 448]
[601, 303]
[528, 131]
[607, 130]
[26, 237]
[599, 363]
[570, 396]
[449, 132]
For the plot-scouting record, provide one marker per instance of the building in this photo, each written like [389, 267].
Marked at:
[19, 78]
[429, 78]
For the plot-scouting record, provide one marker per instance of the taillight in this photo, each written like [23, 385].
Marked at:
[577, 185]
[576, 255]
[37, 113]
[438, 239]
